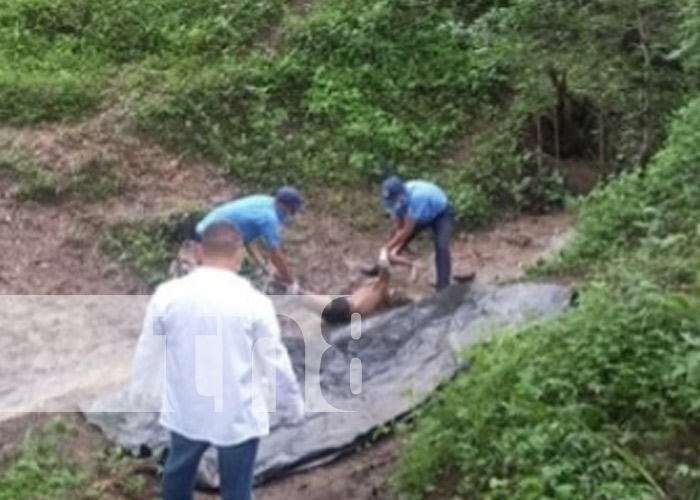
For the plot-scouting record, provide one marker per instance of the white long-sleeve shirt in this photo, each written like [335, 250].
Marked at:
[216, 377]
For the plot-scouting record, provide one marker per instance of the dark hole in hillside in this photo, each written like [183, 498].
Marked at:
[568, 130]
[568, 135]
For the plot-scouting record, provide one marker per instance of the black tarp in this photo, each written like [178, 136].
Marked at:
[405, 354]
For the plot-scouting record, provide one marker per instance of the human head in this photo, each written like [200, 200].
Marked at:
[221, 246]
[290, 199]
[393, 193]
[337, 312]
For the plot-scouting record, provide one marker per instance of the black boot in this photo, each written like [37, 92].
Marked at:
[464, 278]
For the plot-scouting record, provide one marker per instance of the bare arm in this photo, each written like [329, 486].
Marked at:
[400, 260]
[279, 260]
[404, 231]
[382, 282]
[254, 253]
[397, 227]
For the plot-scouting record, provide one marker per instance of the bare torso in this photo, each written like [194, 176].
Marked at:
[370, 298]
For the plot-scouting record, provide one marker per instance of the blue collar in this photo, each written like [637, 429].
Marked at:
[281, 215]
[403, 209]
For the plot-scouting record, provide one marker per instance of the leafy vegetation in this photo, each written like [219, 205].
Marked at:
[149, 248]
[523, 425]
[58, 57]
[656, 207]
[39, 471]
[338, 94]
[618, 418]
[57, 462]
[495, 99]
[92, 181]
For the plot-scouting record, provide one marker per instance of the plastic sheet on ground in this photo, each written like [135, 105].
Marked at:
[405, 353]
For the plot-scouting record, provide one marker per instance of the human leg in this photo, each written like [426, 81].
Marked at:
[442, 236]
[236, 465]
[180, 471]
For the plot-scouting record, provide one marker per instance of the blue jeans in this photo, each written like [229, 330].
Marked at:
[235, 468]
[441, 227]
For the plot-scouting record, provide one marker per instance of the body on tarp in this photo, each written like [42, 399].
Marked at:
[408, 350]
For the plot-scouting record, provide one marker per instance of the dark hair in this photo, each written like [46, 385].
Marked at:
[337, 312]
[221, 238]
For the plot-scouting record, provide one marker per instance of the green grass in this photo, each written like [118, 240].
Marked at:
[604, 402]
[31, 180]
[40, 471]
[44, 96]
[523, 424]
[356, 89]
[62, 461]
[95, 180]
[58, 57]
[149, 248]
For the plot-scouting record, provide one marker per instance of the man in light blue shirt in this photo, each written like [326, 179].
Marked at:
[417, 205]
[261, 217]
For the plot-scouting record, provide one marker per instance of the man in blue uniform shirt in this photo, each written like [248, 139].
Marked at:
[261, 217]
[417, 205]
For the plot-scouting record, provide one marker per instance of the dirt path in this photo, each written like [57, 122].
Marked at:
[329, 251]
[361, 476]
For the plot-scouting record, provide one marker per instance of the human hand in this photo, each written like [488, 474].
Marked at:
[269, 270]
[383, 259]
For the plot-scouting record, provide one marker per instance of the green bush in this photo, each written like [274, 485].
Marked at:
[92, 181]
[602, 402]
[56, 55]
[359, 89]
[354, 90]
[40, 470]
[130, 30]
[42, 96]
[149, 248]
[523, 424]
[333, 105]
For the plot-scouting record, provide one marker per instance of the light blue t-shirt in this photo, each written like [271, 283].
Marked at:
[424, 201]
[254, 216]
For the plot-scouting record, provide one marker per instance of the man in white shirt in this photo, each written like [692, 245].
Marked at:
[223, 352]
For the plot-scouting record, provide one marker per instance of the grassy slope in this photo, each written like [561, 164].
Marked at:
[62, 460]
[602, 403]
[355, 89]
